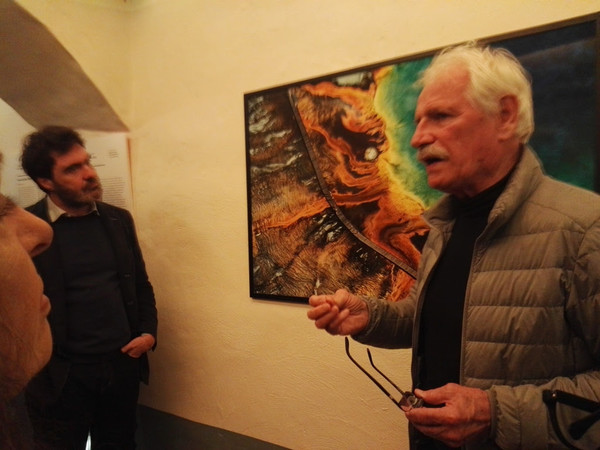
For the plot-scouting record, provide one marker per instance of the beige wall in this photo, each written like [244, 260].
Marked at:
[176, 71]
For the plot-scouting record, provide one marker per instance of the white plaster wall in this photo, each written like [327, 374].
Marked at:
[254, 367]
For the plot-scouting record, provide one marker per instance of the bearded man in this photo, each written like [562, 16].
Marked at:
[103, 317]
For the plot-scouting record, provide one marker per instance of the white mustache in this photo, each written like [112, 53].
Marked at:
[429, 152]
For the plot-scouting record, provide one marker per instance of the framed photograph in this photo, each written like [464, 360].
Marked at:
[335, 194]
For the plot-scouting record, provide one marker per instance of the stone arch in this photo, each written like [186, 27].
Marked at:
[42, 81]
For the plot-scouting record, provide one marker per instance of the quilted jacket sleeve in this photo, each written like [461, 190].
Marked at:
[520, 410]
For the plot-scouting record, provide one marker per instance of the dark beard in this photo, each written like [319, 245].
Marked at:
[78, 199]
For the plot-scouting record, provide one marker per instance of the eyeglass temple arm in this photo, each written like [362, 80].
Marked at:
[383, 374]
[347, 343]
[414, 401]
[578, 428]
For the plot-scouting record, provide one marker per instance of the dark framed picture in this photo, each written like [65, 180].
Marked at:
[335, 194]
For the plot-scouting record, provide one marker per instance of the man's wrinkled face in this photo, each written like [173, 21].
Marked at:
[74, 180]
[456, 141]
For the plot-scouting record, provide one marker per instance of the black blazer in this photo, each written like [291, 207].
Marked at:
[138, 295]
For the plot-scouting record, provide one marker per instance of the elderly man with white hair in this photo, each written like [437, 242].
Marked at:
[506, 304]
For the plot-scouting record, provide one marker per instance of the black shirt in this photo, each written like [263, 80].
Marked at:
[96, 318]
[442, 314]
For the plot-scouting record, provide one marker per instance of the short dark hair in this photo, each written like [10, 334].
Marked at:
[38, 147]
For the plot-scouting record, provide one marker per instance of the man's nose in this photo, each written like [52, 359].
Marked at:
[90, 172]
[421, 136]
[34, 233]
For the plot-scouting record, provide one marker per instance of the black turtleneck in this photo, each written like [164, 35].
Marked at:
[442, 314]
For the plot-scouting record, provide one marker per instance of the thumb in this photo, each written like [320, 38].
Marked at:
[431, 397]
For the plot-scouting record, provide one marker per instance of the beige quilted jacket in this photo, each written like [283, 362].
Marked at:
[532, 308]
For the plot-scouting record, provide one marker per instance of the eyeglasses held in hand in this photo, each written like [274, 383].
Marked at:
[407, 401]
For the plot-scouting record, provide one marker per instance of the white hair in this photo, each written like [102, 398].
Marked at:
[493, 74]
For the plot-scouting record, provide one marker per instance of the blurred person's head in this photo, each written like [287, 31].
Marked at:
[55, 158]
[25, 337]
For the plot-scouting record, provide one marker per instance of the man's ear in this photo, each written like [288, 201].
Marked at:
[46, 184]
[508, 120]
